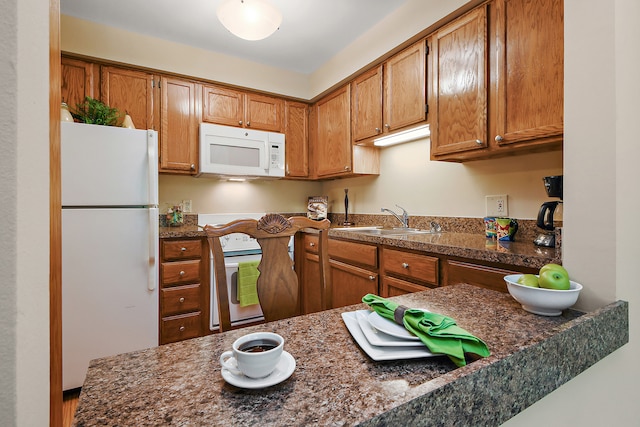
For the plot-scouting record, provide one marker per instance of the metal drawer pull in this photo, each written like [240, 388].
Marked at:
[183, 249]
[181, 299]
[312, 244]
[405, 265]
[182, 273]
[182, 328]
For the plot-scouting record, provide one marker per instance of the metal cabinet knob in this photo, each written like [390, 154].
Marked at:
[182, 249]
[372, 278]
[182, 273]
[405, 265]
[312, 244]
[499, 138]
[478, 142]
[248, 124]
[347, 168]
[181, 299]
[193, 166]
[377, 130]
[240, 122]
[182, 328]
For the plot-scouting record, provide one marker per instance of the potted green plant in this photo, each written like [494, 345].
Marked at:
[93, 111]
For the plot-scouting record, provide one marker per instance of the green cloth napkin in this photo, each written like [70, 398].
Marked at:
[247, 278]
[439, 333]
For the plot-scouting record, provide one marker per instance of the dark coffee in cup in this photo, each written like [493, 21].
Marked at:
[258, 346]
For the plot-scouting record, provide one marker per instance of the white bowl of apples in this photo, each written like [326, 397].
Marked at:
[546, 293]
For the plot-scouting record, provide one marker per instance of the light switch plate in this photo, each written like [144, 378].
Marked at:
[497, 205]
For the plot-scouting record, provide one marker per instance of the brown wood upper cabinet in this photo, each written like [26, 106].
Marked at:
[391, 96]
[296, 130]
[496, 81]
[178, 126]
[79, 80]
[331, 151]
[132, 92]
[231, 107]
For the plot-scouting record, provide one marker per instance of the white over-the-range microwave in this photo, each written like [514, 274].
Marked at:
[227, 151]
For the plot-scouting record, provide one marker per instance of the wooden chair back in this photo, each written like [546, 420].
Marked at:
[277, 285]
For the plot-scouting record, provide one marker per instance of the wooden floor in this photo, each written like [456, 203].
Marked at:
[69, 404]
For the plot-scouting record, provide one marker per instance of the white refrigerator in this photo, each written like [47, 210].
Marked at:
[109, 244]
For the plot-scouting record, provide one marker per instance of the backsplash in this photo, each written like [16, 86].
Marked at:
[527, 229]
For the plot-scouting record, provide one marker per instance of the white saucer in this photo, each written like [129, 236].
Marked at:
[284, 369]
[389, 327]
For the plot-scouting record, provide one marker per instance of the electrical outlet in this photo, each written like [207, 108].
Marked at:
[186, 206]
[497, 205]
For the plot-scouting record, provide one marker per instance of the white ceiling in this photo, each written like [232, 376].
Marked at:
[312, 31]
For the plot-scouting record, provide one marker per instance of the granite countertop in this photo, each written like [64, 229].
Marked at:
[465, 245]
[336, 383]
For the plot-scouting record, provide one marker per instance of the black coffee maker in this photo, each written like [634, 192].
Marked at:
[553, 185]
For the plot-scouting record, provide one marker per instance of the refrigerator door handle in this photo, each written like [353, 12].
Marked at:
[154, 223]
[152, 150]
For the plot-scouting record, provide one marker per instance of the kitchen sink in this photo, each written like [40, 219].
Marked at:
[378, 231]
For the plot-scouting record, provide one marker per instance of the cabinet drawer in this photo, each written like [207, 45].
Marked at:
[173, 250]
[180, 299]
[181, 327]
[311, 243]
[354, 253]
[180, 272]
[422, 268]
[392, 287]
[478, 275]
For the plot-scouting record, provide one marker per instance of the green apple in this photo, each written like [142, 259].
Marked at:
[554, 279]
[554, 267]
[529, 280]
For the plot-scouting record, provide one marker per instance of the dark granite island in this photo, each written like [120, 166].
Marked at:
[335, 383]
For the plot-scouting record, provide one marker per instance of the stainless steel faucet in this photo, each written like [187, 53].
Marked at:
[404, 219]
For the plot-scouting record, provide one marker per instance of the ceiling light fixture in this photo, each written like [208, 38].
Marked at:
[404, 136]
[249, 19]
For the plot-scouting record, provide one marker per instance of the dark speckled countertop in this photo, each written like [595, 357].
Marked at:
[465, 245]
[335, 383]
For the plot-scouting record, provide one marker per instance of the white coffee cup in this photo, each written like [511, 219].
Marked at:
[254, 355]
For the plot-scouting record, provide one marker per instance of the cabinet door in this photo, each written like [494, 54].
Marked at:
[131, 92]
[78, 81]
[366, 101]
[458, 96]
[178, 131]
[530, 67]
[296, 129]
[263, 112]
[222, 106]
[332, 145]
[404, 80]
[351, 283]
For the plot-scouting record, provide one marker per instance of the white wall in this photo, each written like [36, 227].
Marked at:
[409, 179]
[601, 185]
[24, 204]
[219, 196]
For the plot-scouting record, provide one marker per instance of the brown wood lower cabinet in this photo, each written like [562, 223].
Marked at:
[351, 283]
[486, 276]
[359, 268]
[184, 289]
[405, 271]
